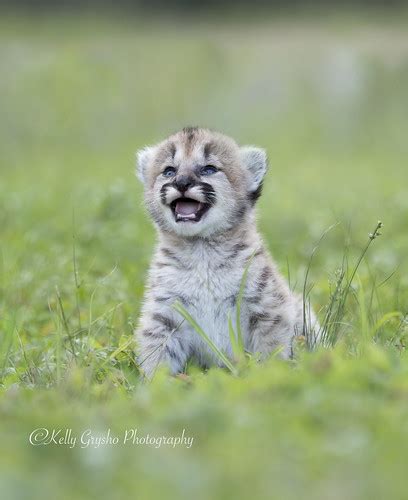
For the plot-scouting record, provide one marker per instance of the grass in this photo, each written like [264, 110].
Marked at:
[328, 101]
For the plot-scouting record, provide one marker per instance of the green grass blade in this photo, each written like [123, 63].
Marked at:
[385, 319]
[233, 339]
[305, 293]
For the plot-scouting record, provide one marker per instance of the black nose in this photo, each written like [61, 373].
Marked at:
[183, 182]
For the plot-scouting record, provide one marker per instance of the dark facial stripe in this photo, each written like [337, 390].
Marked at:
[163, 192]
[208, 192]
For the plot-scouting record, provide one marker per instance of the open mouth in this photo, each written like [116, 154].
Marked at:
[188, 210]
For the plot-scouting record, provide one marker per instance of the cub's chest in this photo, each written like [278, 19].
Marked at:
[203, 281]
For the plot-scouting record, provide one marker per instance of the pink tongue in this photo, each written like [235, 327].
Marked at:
[186, 207]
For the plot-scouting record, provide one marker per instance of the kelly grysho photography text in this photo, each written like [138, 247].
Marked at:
[89, 439]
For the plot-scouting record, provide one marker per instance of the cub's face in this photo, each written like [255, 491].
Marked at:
[199, 183]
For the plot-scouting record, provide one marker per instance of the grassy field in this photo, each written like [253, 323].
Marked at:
[329, 101]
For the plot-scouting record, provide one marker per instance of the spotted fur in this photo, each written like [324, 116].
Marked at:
[201, 263]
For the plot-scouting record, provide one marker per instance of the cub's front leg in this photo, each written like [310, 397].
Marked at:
[271, 313]
[160, 341]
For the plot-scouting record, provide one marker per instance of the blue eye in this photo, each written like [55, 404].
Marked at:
[208, 170]
[169, 172]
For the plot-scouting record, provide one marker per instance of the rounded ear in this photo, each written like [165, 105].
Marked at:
[256, 161]
[143, 157]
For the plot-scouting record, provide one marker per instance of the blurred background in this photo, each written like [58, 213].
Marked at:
[84, 85]
[324, 88]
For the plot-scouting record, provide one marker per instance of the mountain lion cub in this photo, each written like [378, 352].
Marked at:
[200, 190]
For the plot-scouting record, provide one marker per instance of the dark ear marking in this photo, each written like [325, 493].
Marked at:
[256, 162]
[255, 195]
